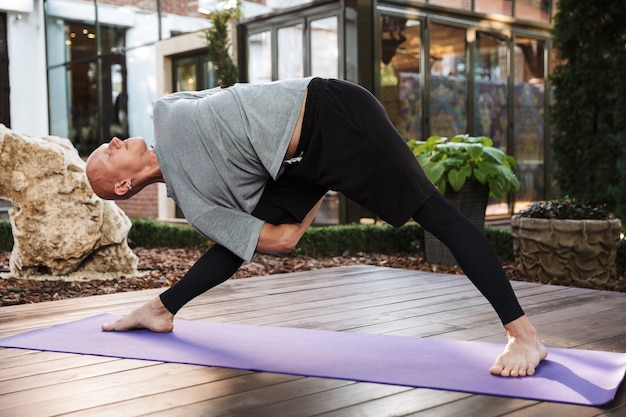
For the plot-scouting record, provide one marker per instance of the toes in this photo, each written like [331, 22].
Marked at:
[496, 370]
[109, 327]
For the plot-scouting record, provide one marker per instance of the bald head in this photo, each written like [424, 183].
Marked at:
[99, 176]
[120, 169]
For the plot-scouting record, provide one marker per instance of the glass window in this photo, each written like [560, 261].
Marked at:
[260, 57]
[193, 72]
[494, 6]
[186, 78]
[5, 108]
[290, 53]
[529, 129]
[325, 48]
[400, 74]
[92, 83]
[491, 89]
[448, 81]
[59, 113]
[491, 98]
[5, 113]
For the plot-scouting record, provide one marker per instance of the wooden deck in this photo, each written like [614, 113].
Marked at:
[356, 299]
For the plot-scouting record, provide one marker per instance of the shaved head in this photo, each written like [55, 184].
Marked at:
[100, 178]
[121, 168]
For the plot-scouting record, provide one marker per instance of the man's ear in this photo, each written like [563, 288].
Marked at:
[121, 188]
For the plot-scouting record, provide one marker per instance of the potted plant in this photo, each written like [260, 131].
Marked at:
[566, 241]
[466, 170]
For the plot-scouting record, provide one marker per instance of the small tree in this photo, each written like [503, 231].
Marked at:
[219, 44]
[589, 112]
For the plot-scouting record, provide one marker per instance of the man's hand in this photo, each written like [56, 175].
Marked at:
[283, 238]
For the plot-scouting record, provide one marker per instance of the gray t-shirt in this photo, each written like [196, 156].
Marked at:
[217, 149]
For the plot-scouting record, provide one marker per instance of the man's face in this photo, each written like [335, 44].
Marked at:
[114, 162]
[120, 157]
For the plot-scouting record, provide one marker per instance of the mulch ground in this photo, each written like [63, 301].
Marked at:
[164, 266]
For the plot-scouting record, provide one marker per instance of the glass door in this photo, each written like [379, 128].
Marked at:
[400, 74]
[447, 80]
[259, 50]
[491, 100]
[529, 128]
[325, 47]
[290, 51]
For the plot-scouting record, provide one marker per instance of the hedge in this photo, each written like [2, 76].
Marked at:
[6, 236]
[147, 233]
[317, 241]
[350, 239]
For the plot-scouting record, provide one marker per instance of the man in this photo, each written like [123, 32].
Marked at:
[248, 166]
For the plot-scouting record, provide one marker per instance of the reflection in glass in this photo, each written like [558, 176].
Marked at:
[193, 72]
[490, 101]
[88, 118]
[186, 79]
[490, 98]
[400, 74]
[260, 57]
[324, 48]
[290, 62]
[529, 106]
[448, 81]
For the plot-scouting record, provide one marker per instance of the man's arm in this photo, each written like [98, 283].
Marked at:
[283, 238]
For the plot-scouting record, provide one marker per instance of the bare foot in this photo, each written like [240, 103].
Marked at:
[152, 316]
[522, 353]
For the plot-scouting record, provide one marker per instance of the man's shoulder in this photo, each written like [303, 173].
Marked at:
[189, 95]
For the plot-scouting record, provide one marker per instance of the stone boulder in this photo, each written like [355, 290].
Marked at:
[60, 227]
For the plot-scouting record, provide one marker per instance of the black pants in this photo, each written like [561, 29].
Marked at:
[468, 244]
[349, 145]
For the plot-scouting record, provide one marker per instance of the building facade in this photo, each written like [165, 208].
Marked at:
[90, 70]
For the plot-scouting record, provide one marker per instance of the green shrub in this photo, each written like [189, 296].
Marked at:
[317, 241]
[342, 239]
[147, 233]
[6, 236]
[502, 242]
[466, 158]
[567, 208]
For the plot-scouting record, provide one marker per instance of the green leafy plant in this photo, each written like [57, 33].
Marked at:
[465, 158]
[567, 208]
[218, 42]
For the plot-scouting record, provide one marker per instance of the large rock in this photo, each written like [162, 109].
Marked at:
[60, 227]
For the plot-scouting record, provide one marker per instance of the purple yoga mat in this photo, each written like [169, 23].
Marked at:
[569, 375]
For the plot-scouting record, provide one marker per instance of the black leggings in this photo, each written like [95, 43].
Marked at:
[215, 266]
[468, 244]
[473, 253]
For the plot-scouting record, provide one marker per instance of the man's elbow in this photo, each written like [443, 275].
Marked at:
[288, 243]
[281, 239]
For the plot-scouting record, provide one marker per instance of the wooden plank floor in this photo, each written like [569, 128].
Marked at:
[355, 298]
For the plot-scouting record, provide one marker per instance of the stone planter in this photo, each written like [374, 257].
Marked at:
[471, 201]
[566, 252]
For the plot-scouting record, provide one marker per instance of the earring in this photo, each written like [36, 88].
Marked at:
[129, 185]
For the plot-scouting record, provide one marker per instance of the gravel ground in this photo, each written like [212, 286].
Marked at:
[162, 267]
